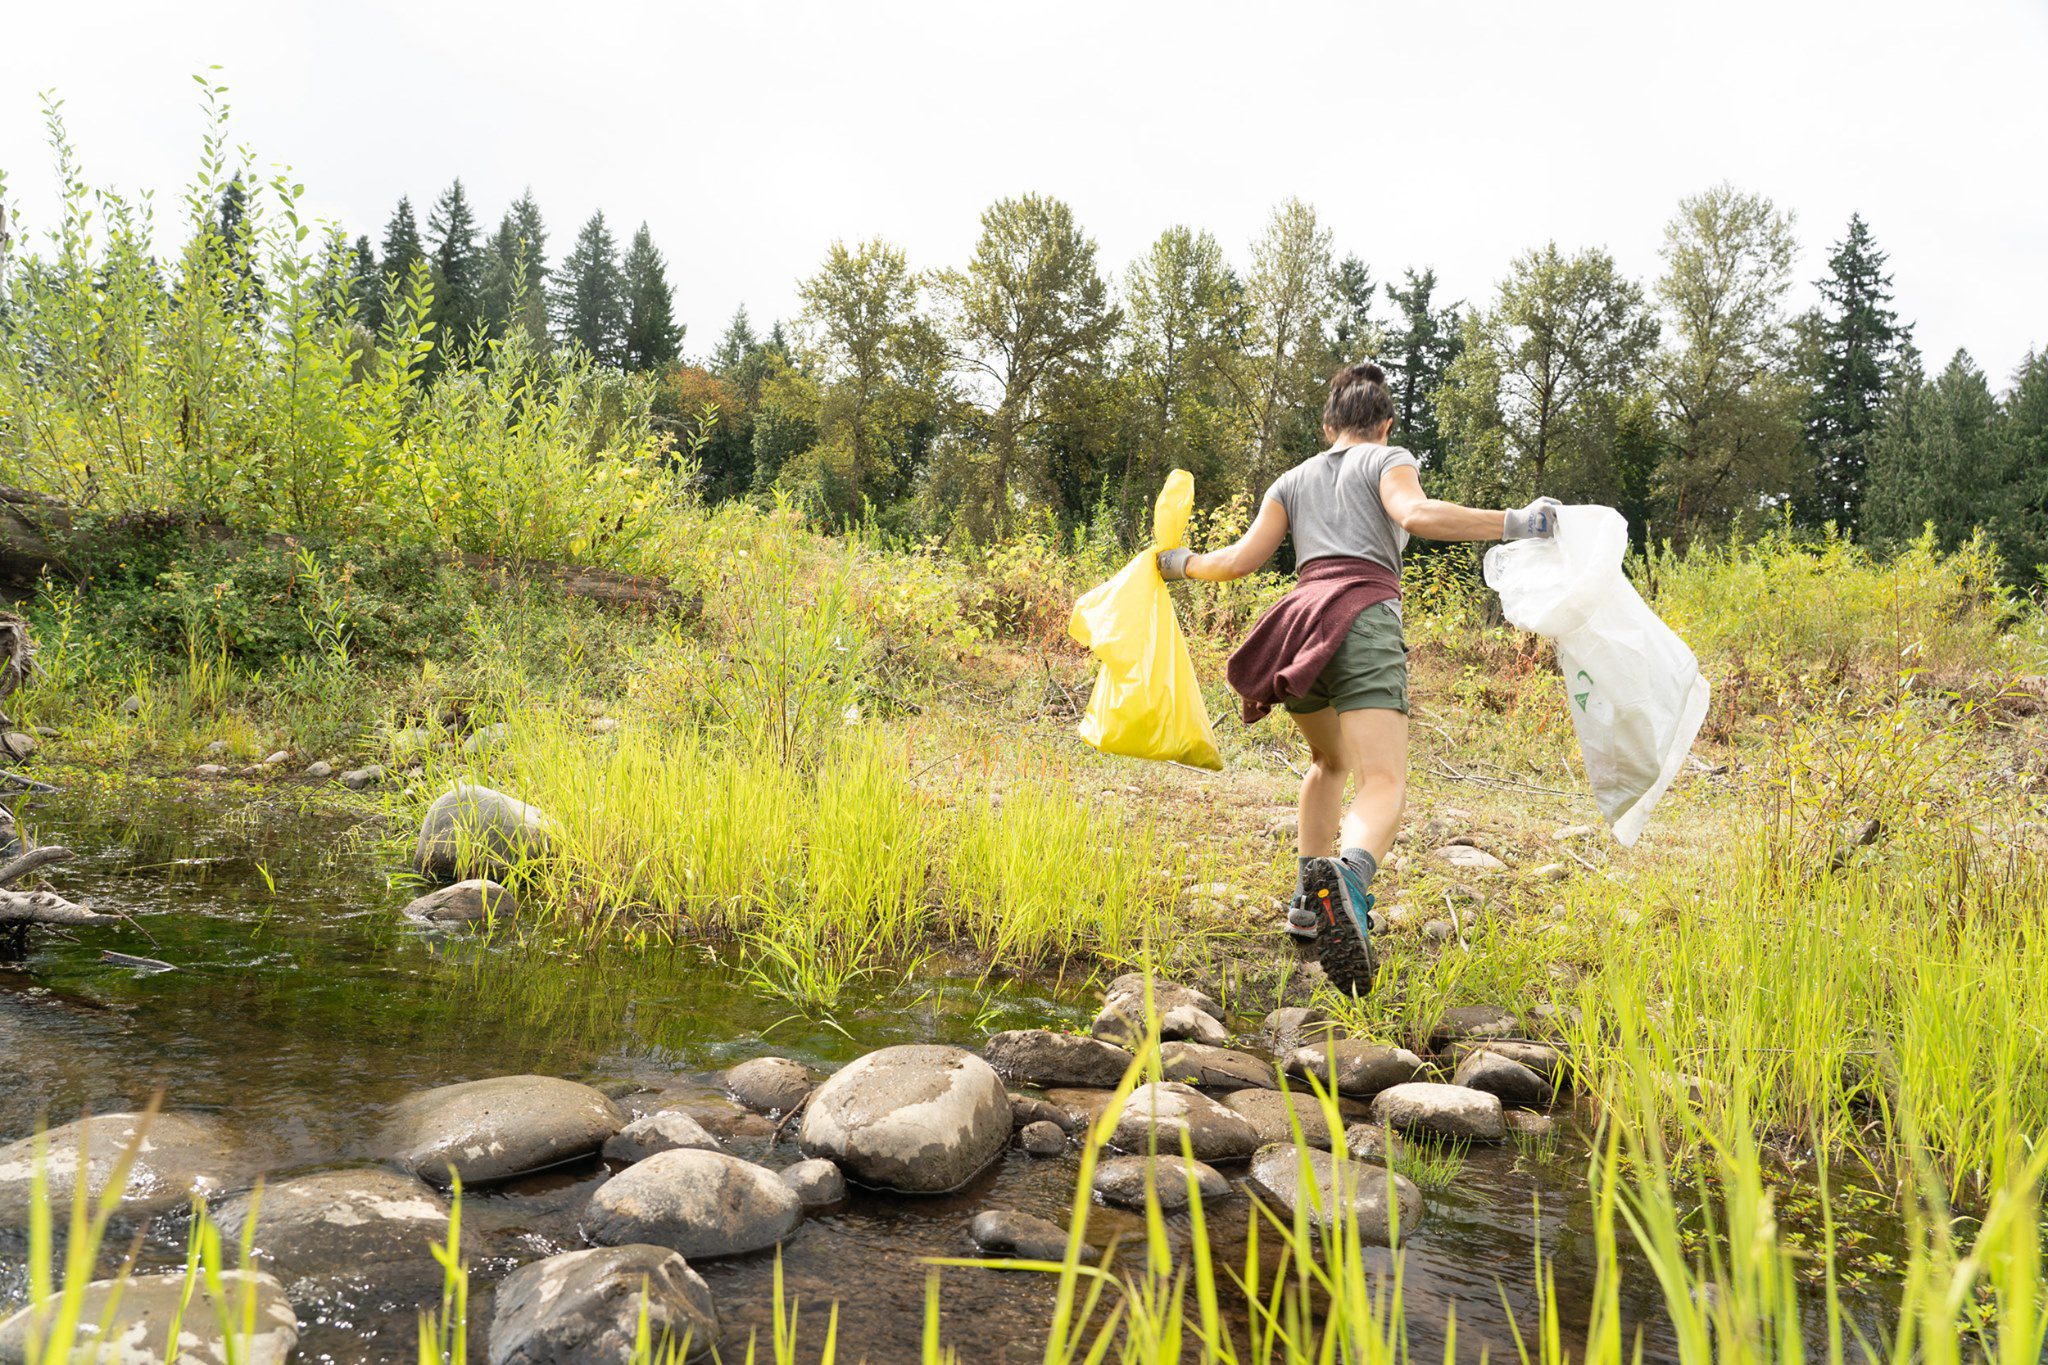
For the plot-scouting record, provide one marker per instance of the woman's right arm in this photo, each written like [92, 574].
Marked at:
[1251, 551]
[1434, 519]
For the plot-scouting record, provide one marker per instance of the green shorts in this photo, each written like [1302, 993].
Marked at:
[1369, 672]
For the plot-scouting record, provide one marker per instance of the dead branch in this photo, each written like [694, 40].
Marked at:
[19, 866]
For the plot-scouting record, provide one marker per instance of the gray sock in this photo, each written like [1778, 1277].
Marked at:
[1362, 865]
[1301, 874]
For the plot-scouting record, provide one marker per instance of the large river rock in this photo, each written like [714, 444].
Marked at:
[374, 1225]
[177, 1156]
[702, 1204]
[498, 1128]
[475, 831]
[145, 1306]
[919, 1118]
[583, 1307]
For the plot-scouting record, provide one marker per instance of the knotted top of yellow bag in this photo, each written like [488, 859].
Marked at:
[1170, 514]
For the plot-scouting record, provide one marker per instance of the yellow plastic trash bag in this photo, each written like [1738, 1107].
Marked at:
[1147, 703]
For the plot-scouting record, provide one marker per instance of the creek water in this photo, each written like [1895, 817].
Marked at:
[303, 1005]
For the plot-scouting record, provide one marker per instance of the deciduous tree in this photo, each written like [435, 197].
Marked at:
[1731, 403]
[1029, 311]
[1293, 296]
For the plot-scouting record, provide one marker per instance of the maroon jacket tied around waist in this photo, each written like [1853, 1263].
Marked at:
[1299, 635]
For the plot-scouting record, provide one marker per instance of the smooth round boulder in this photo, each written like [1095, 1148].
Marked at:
[1215, 1068]
[584, 1307]
[1123, 1180]
[1183, 1013]
[703, 1204]
[145, 1306]
[768, 1085]
[1328, 1191]
[475, 831]
[1037, 1056]
[361, 1224]
[495, 1129]
[1023, 1236]
[670, 1130]
[1513, 1083]
[356, 779]
[1450, 1111]
[1167, 1110]
[1541, 1058]
[918, 1118]
[466, 902]
[818, 1183]
[1042, 1138]
[177, 1156]
[1353, 1066]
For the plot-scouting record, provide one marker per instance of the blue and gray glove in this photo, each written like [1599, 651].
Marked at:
[1536, 521]
[1173, 564]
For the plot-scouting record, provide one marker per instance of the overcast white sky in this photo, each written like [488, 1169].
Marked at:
[749, 136]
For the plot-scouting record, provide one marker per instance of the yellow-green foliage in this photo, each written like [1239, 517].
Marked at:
[1832, 608]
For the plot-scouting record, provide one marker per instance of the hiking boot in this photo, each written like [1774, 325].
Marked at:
[1342, 908]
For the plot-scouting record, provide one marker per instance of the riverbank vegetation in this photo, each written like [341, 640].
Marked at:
[850, 743]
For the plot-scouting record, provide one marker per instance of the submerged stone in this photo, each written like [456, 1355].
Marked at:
[177, 1156]
[1023, 1236]
[1353, 1066]
[466, 902]
[359, 1224]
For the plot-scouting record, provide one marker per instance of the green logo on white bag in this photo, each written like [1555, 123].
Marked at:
[1580, 697]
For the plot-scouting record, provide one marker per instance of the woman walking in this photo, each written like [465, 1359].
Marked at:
[1331, 651]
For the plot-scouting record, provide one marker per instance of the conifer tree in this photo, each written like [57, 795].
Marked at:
[1419, 350]
[1856, 345]
[402, 251]
[516, 274]
[653, 338]
[363, 288]
[1354, 335]
[458, 270]
[236, 232]
[590, 295]
[1935, 458]
[736, 345]
[2022, 522]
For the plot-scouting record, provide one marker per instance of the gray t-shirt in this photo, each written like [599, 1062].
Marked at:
[1332, 501]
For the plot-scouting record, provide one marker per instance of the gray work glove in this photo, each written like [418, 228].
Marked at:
[1173, 564]
[1537, 520]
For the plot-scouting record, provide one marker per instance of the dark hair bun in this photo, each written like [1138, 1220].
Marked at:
[1369, 372]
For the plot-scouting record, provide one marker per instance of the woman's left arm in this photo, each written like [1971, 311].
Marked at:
[1248, 555]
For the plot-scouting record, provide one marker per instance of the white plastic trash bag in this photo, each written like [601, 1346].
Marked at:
[1637, 697]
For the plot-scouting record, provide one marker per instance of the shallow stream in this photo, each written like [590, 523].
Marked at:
[303, 1005]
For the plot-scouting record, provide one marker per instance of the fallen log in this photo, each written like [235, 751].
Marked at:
[19, 866]
[40, 534]
[47, 907]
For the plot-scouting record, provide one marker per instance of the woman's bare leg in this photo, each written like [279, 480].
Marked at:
[1374, 746]
[1322, 788]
